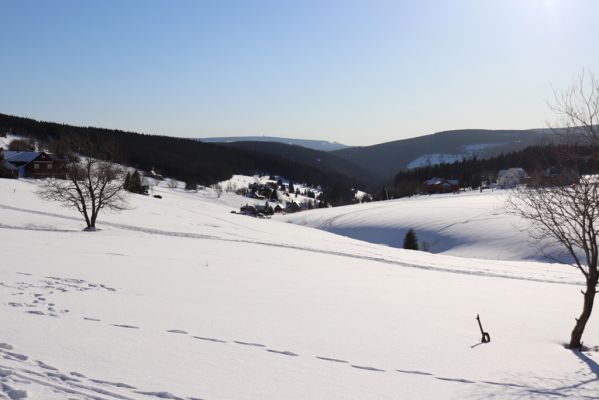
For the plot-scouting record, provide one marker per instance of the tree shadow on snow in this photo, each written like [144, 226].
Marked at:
[581, 384]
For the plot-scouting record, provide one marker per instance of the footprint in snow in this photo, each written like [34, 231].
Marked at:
[35, 312]
[285, 353]
[177, 331]
[407, 371]
[162, 395]
[13, 394]
[210, 339]
[5, 346]
[249, 344]
[15, 356]
[126, 326]
[368, 368]
[331, 359]
[46, 366]
[454, 380]
[92, 319]
[116, 384]
[77, 374]
[61, 377]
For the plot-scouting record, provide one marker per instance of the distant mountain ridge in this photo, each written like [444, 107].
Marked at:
[387, 159]
[320, 145]
[323, 160]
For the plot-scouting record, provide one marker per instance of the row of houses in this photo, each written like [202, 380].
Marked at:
[506, 179]
[270, 208]
[33, 164]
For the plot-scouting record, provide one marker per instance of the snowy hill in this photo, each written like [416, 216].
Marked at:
[467, 152]
[177, 298]
[470, 224]
[387, 159]
[320, 145]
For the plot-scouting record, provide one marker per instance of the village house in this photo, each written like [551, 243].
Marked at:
[510, 178]
[33, 164]
[439, 185]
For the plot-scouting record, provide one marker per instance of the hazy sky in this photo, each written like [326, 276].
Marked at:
[357, 72]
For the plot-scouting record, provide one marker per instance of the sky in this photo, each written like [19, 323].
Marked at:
[355, 72]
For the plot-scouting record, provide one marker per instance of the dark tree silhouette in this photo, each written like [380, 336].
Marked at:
[410, 241]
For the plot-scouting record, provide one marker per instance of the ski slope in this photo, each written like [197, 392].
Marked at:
[177, 298]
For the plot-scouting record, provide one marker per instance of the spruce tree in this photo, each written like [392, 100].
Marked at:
[136, 183]
[410, 241]
[3, 172]
[127, 182]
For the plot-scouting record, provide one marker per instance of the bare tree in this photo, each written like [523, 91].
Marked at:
[563, 210]
[577, 110]
[92, 185]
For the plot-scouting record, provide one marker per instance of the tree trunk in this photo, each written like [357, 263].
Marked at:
[87, 220]
[93, 219]
[589, 299]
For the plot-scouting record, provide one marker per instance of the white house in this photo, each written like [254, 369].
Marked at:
[510, 178]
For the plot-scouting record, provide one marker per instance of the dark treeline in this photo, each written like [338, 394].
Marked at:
[184, 159]
[473, 172]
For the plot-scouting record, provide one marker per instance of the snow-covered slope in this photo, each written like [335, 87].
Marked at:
[468, 151]
[179, 299]
[469, 224]
[426, 160]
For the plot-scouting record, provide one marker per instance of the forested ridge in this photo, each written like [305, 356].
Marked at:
[180, 158]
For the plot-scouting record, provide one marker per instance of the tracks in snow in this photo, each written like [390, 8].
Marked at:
[379, 259]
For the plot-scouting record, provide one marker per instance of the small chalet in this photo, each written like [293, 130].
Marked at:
[439, 185]
[278, 208]
[34, 164]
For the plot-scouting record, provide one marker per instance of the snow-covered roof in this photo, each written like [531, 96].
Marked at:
[520, 172]
[20, 156]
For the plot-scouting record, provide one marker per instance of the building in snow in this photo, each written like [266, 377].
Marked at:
[439, 185]
[33, 164]
[510, 178]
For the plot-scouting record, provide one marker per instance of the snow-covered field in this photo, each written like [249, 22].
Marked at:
[468, 224]
[177, 298]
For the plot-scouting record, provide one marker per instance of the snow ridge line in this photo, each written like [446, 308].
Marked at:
[191, 235]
